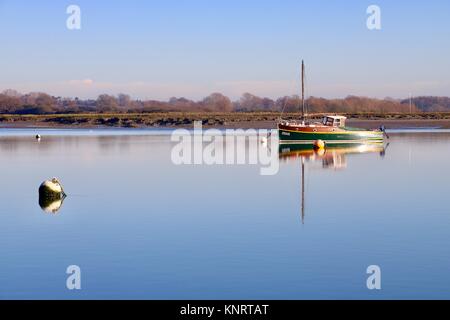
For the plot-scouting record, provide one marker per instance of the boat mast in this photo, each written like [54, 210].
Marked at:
[303, 90]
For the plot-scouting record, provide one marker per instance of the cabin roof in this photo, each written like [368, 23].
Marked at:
[336, 117]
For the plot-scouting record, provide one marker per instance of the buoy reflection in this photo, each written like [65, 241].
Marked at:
[49, 205]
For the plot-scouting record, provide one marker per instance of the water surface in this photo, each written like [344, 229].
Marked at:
[141, 227]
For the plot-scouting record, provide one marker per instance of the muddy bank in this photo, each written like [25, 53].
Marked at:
[212, 120]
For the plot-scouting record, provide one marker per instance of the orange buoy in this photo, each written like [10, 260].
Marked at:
[319, 144]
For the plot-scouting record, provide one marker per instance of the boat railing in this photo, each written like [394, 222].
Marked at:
[291, 122]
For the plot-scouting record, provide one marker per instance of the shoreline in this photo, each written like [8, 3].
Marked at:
[209, 120]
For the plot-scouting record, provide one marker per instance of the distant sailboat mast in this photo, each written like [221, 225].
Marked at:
[410, 103]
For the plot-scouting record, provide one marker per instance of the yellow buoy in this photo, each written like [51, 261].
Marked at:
[51, 195]
[51, 189]
[319, 144]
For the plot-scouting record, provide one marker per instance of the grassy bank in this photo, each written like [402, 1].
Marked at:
[232, 120]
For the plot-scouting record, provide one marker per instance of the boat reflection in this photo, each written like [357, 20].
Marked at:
[332, 157]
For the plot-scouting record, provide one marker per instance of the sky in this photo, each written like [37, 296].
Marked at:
[160, 49]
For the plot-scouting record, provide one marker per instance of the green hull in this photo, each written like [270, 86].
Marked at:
[336, 146]
[288, 136]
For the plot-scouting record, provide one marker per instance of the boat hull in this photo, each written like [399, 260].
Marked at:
[297, 135]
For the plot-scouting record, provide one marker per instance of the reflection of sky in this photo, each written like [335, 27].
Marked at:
[140, 227]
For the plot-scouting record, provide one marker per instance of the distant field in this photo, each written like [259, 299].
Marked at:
[210, 119]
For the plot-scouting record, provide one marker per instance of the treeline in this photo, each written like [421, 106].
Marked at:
[12, 102]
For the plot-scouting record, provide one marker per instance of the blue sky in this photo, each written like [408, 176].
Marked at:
[158, 49]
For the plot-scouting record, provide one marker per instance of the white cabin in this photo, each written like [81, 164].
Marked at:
[334, 121]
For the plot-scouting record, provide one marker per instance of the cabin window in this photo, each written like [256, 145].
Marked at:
[333, 122]
[328, 121]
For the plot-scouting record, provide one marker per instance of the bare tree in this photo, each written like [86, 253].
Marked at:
[217, 102]
[9, 104]
[124, 100]
[106, 103]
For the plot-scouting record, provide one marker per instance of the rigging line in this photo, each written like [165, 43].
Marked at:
[293, 88]
[284, 106]
[306, 92]
[301, 87]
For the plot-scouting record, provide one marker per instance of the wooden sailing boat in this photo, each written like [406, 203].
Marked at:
[332, 129]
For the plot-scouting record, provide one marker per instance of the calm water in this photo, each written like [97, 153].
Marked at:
[141, 227]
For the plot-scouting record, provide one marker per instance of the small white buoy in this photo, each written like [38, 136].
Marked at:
[264, 141]
[319, 144]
